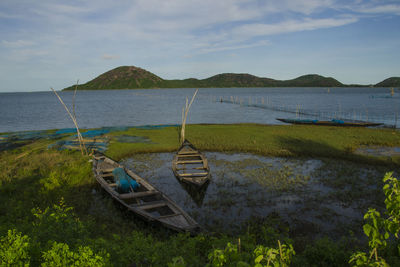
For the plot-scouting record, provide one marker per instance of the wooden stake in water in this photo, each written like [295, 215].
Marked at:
[80, 138]
[185, 112]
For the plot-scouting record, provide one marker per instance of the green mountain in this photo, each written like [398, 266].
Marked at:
[130, 77]
[125, 77]
[390, 82]
[312, 80]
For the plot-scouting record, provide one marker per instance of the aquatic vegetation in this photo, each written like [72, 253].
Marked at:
[278, 178]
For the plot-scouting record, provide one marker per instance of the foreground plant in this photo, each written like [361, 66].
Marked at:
[14, 249]
[61, 255]
[379, 229]
[262, 256]
[266, 256]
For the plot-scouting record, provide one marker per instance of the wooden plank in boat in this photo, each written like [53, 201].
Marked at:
[184, 156]
[151, 205]
[170, 215]
[138, 194]
[108, 170]
[193, 174]
[188, 161]
[106, 175]
[187, 152]
[196, 168]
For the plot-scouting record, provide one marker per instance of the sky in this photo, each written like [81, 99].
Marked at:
[50, 43]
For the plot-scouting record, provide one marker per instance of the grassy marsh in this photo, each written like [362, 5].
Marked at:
[33, 176]
[269, 140]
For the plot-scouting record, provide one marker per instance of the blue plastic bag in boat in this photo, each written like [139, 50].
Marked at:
[124, 182]
[338, 121]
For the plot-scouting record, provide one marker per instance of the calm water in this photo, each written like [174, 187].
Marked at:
[42, 110]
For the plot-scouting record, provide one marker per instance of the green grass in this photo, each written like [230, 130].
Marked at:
[279, 141]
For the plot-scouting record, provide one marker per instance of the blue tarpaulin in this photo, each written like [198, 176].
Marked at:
[125, 183]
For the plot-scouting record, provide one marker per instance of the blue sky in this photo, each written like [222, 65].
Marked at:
[51, 43]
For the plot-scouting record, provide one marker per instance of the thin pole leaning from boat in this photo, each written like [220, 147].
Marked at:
[185, 112]
[80, 138]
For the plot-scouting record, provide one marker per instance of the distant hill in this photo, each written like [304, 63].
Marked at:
[390, 82]
[125, 77]
[130, 77]
[312, 80]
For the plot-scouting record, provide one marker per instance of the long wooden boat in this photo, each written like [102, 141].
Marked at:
[331, 122]
[190, 165]
[146, 200]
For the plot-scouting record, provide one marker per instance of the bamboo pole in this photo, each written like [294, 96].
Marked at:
[73, 99]
[184, 116]
[80, 138]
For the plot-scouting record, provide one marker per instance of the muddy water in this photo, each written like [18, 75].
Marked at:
[314, 196]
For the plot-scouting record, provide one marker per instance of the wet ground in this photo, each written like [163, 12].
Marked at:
[379, 151]
[313, 196]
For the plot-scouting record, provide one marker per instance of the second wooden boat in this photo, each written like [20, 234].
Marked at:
[139, 196]
[190, 165]
[331, 122]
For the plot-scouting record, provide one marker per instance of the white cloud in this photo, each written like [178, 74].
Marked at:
[260, 29]
[386, 9]
[223, 47]
[17, 43]
[306, 7]
[372, 7]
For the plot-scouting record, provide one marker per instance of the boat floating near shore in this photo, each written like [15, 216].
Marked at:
[190, 165]
[139, 196]
[331, 122]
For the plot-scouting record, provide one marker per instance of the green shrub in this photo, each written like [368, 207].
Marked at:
[58, 223]
[61, 255]
[14, 249]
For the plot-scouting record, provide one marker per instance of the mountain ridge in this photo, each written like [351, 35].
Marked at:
[131, 77]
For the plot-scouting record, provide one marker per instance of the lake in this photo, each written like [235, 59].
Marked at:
[42, 110]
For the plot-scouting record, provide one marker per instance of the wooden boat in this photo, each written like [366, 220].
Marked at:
[190, 166]
[145, 201]
[331, 122]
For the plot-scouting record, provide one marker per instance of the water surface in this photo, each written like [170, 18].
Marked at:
[42, 110]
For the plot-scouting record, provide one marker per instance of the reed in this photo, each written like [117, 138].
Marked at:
[73, 117]
[185, 112]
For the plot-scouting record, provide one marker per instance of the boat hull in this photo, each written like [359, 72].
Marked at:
[147, 201]
[330, 123]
